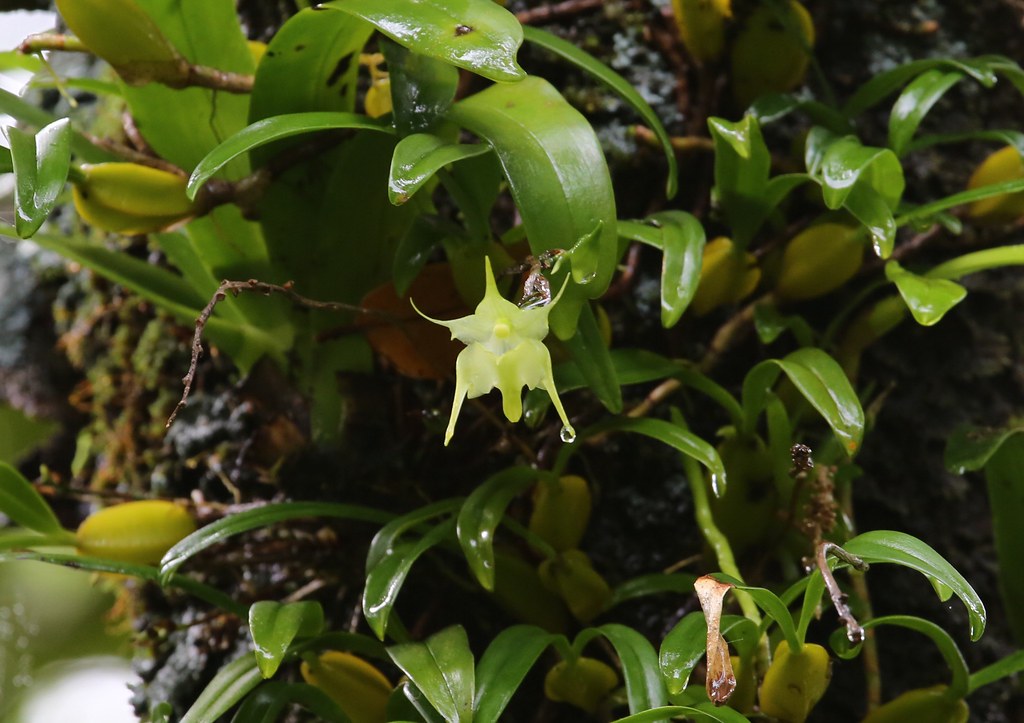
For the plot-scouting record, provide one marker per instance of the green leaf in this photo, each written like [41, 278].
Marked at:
[771, 107]
[272, 129]
[772, 606]
[969, 449]
[868, 182]
[903, 549]
[418, 157]
[769, 323]
[422, 88]
[258, 517]
[813, 591]
[882, 85]
[387, 537]
[680, 583]
[914, 103]
[6, 162]
[589, 64]
[707, 712]
[559, 181]
[30, 115]
[927, 299]
[481, 513]
[742, 166]
[40, 165]
[385, 580]
[144, 572]
[504, 664]
[1010, 665]
[442, 668]
[269, 700]
[972, 263]
[274, 626]
[231, 683]
[958, 686]
[1004, 137]
[20, 501]
[681, 241]
[593, 360]
[821, 381]
[1004, 474]
[644, 686]
[477, 35]
[686, 644]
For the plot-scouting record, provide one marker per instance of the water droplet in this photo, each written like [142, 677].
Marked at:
[567, 435]
[589, 277]
[718, 484]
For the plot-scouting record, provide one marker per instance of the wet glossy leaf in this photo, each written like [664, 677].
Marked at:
[927, 210]
[477, 35]
[1002, 136]
[821, 381]
[770, 323]
[482, 513]
[644, 686]
[268, 702]
[969, 449]
[231, 683]
[418, 157]
[772, 606]
[385, 580]
[274, 626]
[868, 182]
[40, 165]
[1004, 474]
[422, 88]
[1010, 665]
[914, 103]
[504, 664]
[559, 181]
[442, 668]
[680, 583]
[272, 129]
[258, 517]
[6, 163]
[592, 359]
[588, 63]
[702, 712]
[771, 107]
[928, 299]
[21, 502]
[387, 537]
[882, 85]
[685, 645]
[902, 549]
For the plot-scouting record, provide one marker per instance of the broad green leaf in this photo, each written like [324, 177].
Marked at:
[559, 181]
[680, 583]
[504, 664]
[231, 683]
[274, 626]
[182, 126]
[681, 241]
[644, 686]
[705, 712]
[969, 449]
[387, 537]
[903, 549]
[958, 686]
[474, 185]
[882, 85]
[821, 381]
[742, 165]
[385, 580]
[418, 157]
[40, 164]
[868, 182]
[593, 361]
[30, 115]
[914, 103]
[928, 299]
[272, 129]
[144, 572]
[477, 35]
[442, 668]
[258, 517]
[20, 501]
[1004, 474]
[481, 513]
[269, 700]
[422, 88]
[588, 63]
[686, 644]
[1010, 665]
[6, 162]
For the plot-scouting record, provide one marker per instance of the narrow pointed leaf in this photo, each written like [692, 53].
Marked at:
[679, 583]
[272, 129]
[504, 664]
[644, 686]
[1010, 665]
[1004, 475]
[588, 63]
[20, 501]
[274, 626]
[902, 549]
[388, 535]
[882, 85]
[418, 157]
[703, 712]
[478, 35]
[593, 360]
[231, 683]
[268, 702]
[40, 165]
[969, 449]
[914, 103]
[928, 210]
[442, 668]
[928, 299]
[1004, 136]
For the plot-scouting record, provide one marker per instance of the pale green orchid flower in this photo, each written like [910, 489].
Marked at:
[504, 349]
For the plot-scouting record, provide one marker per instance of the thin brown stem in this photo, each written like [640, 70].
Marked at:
[854, 631]
[51, 41]
[548, 13]
[132, 155]
[214, 79]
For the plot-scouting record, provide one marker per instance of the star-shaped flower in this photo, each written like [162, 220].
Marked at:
[504, 349]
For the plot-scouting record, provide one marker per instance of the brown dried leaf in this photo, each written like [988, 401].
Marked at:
[721, 681]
